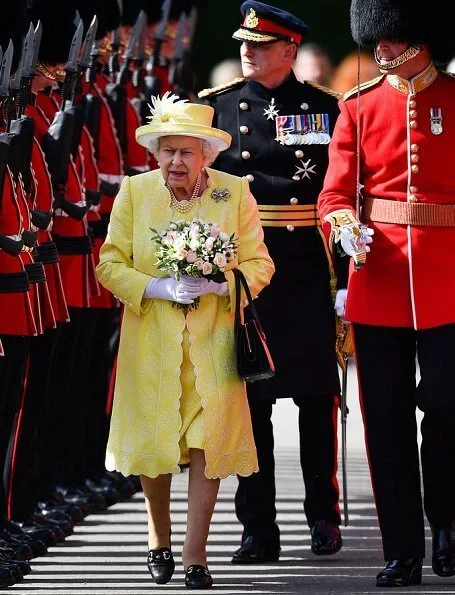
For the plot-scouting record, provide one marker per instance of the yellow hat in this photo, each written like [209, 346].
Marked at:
[173, 116]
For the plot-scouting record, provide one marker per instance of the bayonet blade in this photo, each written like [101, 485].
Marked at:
[132, 40]
[36, 45]
[179, 51]
[161, 28]
[192, 22]
[28, 52]
[15, 82]
[141, 54]
[84, 61]
[71, 65]
[5, 69]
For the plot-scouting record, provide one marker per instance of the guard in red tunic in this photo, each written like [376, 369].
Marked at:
[400, 230]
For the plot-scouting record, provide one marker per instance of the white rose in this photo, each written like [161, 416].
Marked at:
[224, 237]
[220, 260]
[206, 268]
[178, 244]
[194, 244]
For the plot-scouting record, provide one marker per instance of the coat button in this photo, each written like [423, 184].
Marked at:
[304, 106]
[413, 124]
[415, 169]
[414, 148]
[246, 155]
[414, 158]
[413, 114]
[290, 227]
[243, 105]
[299, 154]
[412, 103]
[412, 198]
[244, 129]
[413, 189]
[294, 201]
[250, 177]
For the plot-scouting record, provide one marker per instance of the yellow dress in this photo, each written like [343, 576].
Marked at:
[177, 385]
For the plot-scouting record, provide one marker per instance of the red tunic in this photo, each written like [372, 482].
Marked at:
[408, 279]
[17, 316]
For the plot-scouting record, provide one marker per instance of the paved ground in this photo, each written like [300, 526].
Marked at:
[107, 553]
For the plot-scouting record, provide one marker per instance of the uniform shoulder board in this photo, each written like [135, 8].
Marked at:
[363, 86]
[220, 88]
[324, 89]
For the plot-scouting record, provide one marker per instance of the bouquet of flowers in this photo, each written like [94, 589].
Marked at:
[196, 248]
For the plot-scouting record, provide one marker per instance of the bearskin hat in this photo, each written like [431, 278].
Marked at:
[13, 26]
[57, 19]
[107, 12]
[406, 20]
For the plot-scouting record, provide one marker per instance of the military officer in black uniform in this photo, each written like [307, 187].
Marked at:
[280, 133]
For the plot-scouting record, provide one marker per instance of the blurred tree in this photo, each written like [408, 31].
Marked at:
[328, 20]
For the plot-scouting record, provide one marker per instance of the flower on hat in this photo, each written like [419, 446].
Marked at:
[167, 109]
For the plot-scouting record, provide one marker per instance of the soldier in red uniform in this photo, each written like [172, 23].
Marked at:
[401, 298]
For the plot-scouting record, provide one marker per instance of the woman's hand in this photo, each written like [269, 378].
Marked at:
[168, 288]
[200, 285]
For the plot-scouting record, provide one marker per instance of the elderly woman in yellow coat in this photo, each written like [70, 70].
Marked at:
[178, 397]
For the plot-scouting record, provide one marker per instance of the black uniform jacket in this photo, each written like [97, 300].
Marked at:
[296, 309]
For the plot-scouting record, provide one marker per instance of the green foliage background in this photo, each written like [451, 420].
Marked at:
[328, 20]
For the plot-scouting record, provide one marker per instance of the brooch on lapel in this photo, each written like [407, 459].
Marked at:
[220, 194]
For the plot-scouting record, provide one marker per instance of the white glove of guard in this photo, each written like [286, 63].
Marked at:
[340, 302]
[168, 288]
[200, 285]
[351, 243]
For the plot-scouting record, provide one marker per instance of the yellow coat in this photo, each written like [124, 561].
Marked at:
[144, 434]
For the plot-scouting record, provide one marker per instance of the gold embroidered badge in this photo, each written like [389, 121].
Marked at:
[251, 20]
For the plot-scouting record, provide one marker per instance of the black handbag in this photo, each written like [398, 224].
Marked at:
[254, 361]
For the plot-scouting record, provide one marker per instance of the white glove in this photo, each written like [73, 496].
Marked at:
[340, 302]
[200, 285]
[168, 288]
[352, 242]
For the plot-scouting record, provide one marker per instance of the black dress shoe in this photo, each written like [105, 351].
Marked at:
[443, 561]
[161, 565]
[255, 550]
[400, 573]
[198, 577]
[325, 538]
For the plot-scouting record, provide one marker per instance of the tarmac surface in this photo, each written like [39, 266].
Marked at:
[107, 552]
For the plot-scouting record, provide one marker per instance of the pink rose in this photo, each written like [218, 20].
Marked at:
[220, 260]
[181, 254]
[191, 256]
[209, 243]
[215, 231]
[207, 268]
[198, 263]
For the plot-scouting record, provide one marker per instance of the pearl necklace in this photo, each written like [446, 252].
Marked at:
[183, 206]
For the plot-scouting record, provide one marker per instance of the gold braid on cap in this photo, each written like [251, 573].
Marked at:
[408, 54]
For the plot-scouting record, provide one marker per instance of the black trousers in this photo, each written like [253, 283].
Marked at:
[255, 496]
[31, 432]
[13, 369]
[386, 361]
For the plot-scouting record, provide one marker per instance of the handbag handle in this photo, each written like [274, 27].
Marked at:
[240, 280]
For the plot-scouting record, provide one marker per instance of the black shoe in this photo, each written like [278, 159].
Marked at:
[443, 561]
[255, 550]
[22, 549]
[161, 565]
[198, 577]
[49, 506]
[400, 573]
[109, 493]
[37, 545]
[123, 485]
[325, 538]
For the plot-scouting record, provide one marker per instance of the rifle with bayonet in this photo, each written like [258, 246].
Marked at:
[181, 70]
[152, 83]
[58, 142]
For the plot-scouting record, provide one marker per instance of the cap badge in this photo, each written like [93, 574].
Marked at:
[251, 20]
[436, 120]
